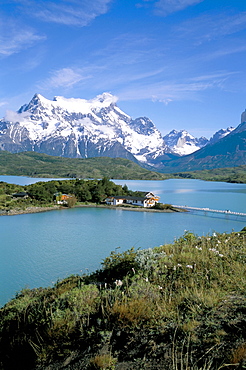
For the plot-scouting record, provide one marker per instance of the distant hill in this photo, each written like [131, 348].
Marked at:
[230, 151]
[43, 165]
[228, 174]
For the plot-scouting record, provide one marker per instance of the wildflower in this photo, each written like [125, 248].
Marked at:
[179, 265]
[118, 282]
[214, 234]
[189, 266]
[146, 279]
[221, 255]
[160, 287]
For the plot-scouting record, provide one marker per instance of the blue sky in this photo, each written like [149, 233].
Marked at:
[182, 63]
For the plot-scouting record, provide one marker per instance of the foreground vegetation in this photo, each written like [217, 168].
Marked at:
[176, 307]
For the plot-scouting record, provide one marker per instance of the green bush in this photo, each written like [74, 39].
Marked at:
[177, 306]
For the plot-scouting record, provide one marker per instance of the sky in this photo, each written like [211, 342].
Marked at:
[181, 63]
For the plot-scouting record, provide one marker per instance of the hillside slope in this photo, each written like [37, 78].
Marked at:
[42, 165]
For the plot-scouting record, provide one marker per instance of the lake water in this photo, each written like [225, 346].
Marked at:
[37, 249]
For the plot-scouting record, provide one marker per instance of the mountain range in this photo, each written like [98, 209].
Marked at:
[229, 151]
[183, 143]
[79, 128]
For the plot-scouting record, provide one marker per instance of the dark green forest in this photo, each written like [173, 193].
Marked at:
[45, 193]
[94, 191]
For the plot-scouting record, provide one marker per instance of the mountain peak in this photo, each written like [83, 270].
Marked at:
[220, 134]
[183, 143]
[34, 102]
[71, 105]
[74, 127]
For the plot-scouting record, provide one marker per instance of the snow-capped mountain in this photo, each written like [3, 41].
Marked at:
[228, 151]
[183, 143]
[80, 128]
[220, 134]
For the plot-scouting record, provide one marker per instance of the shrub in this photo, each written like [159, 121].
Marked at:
[103, 362]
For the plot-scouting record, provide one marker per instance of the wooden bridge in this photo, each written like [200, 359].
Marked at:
[226, 212]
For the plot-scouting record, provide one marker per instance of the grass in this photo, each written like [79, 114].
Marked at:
[180, 306]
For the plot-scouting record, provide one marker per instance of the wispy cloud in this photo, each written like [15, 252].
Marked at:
[13, 41]
[2, 103]
[166, 92]
[210, 27]
[165, 7]
[66, 12]
[63, 78]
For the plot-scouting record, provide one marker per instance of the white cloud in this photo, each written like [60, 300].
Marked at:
[65, 77]
[14, 116]
[2, 103]
[15, 38]
[166, 92]
[165, 7]
[67, 12]
[211, 27]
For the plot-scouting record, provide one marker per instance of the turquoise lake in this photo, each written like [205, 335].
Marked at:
[38, 249]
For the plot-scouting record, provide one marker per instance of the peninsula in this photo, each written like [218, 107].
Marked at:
[57, 194]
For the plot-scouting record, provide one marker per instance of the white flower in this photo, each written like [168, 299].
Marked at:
[118, 282]
[221, 255]
[189, 266]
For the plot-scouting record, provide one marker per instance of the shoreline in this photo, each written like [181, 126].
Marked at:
[36, 209]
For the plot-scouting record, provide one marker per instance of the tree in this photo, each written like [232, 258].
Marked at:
[71, 201]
